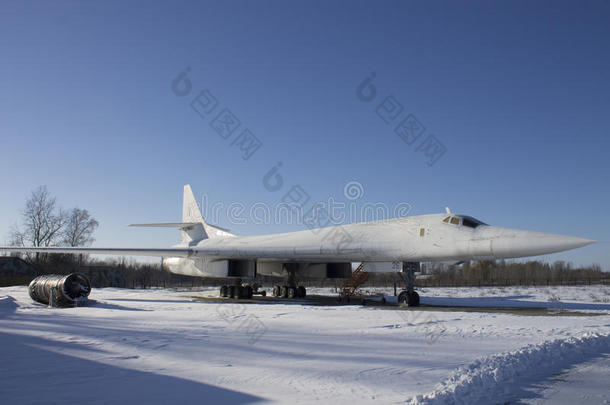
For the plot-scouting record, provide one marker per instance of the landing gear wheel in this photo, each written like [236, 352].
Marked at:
[413, 299]
[231, 291]
[291, 292]
[301, 292]
[224, 291]
[409, 300]
[284, 292]
[245, 292]
[277, 290]
[263, 293]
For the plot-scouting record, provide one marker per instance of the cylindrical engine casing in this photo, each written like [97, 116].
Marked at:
[59, 289]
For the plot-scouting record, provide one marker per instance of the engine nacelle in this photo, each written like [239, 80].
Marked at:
[382, 267]
[309, 270]
[250, 268]
[205, 268]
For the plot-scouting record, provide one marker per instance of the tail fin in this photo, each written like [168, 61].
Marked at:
[193, 226]
[191, 213]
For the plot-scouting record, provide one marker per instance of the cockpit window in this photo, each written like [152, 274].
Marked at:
[465, 220]
[471, 222]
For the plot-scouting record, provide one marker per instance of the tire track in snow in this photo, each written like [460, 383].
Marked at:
[488, 380]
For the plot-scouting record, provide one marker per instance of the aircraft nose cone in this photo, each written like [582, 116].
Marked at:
[514, 243]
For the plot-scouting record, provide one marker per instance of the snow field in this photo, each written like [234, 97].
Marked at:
[157, 345]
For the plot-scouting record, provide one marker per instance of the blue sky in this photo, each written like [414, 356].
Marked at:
[517, 92]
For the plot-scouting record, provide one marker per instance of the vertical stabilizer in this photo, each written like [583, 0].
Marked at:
[193, 226]
[192, 213]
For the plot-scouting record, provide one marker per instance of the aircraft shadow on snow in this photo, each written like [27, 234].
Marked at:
[100, 383]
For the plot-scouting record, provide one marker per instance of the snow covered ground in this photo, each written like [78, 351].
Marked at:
[163, 346]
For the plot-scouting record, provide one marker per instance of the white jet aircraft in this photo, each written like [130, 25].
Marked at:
[211, 251]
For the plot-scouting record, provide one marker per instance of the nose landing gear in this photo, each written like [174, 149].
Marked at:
[409, 297]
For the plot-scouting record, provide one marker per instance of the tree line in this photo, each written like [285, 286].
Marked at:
[502, 272]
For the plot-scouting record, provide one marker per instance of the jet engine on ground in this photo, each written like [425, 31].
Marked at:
[60, 290]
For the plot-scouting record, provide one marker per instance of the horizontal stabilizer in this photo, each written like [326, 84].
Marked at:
[178, 225]
[181, 225]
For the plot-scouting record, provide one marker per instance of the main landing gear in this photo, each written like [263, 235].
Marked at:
[239, 290]
[236, 291]
[246, 291]
[409, 297]
[284, 291]
[290, 290]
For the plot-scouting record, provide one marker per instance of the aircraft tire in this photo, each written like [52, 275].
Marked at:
[403, 299]
[224, 291]
[291, 292]
[231, 291]
[301, 292]
[413, 299]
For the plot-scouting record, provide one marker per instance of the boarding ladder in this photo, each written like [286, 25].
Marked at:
[354, 282]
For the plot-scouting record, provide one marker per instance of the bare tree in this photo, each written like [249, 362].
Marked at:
[79, 228]
[42, 221]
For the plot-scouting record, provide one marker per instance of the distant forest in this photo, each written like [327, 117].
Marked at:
[127, 273]
[500, 273]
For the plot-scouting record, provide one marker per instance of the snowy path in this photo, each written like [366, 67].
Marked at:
[586, 384]
[161, 346]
